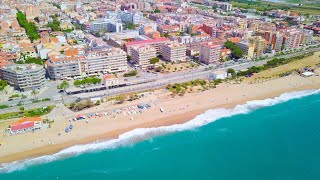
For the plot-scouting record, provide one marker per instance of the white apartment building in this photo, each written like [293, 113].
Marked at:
[99, 26]
[142, 55]
[63, 67]
[106, 60]
[24, 77]
[185, 39]
[174, 52]
[292, 38]
[209, 53]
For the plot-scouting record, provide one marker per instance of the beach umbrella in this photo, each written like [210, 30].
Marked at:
[66, 130]
[71, 126]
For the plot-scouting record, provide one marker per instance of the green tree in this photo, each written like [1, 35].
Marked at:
[129, 25]
[236, 52]
[55, 24]
[35, 93]
[120, 99]
[131, 73]
[31, 60]
[31, 28]
[64, 85]
[154, 60]
[21, 109]
[3, 84]
[129, 58]
[157, 10]
[232, 72]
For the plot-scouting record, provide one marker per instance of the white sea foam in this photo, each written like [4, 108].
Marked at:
[140, 134]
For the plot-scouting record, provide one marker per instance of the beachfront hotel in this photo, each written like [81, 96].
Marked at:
[141, 55]
[24, 77]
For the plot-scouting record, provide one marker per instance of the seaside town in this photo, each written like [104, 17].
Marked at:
[79, 68]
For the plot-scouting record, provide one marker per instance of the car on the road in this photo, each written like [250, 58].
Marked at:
[10, 99]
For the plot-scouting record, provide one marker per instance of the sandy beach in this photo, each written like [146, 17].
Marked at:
[177, 110]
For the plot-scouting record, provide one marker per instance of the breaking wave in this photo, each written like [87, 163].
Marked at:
[140, 134]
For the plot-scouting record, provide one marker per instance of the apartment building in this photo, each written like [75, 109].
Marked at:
[115, 27]
[24, 77]
[32, 12]
[60, 67]
[99, 26]
[106, 59]
[156, 43]
[209, 53]
[292, 38]
[174, 52]
[247, 48]
[142, 55]
[185, 39]
[259, 45]
[274, 39]
[307, 36]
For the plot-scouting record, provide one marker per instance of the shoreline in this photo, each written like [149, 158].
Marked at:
[173, 118]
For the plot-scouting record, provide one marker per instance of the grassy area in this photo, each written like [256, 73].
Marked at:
[27, 113]
[3, 106]
[131, 73]
[311, 61]
[271, 64]
[14, 96]
[3, 84]
[267, 6]
[87, 81]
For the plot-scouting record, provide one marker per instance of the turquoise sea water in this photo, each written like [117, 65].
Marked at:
[275, 142]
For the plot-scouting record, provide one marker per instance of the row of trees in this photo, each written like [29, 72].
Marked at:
[89, 80]
[271, 64]
[55, 24]
[31, 28]
[236, 52]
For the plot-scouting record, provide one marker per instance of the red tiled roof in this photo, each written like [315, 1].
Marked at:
[22, 126]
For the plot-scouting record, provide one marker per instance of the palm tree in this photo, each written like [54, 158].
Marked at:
[34, 93]
[64, 85]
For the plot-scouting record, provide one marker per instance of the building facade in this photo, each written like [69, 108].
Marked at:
[63, 68]
[141, 55]
[106, 60]
[209, 53]
[292, 38]
[24, 77]
[247, 49]
[156, 43]
[174, 52]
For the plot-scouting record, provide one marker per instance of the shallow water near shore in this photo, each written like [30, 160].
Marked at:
[258, 140]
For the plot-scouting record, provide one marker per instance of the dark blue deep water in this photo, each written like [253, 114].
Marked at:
[280, 142]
